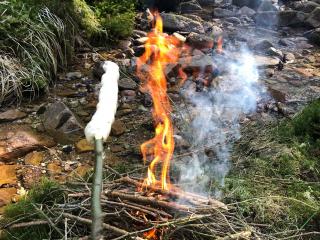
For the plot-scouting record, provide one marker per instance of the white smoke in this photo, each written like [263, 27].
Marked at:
[216, 113]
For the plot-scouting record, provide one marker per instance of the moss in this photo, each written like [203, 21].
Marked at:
[47, 193]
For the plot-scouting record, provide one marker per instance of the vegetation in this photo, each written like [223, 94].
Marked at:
[277, 182]
[30, 208]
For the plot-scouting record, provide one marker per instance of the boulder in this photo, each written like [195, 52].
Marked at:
[16, 143]
[291, 18]
[222, 13]
[189, 7]
[59, 121]
[246, 11]
[266, 19]
[199, 41]
[267, 5]
[263, 45]
[314, 36]
[173, 22]
[314, 18]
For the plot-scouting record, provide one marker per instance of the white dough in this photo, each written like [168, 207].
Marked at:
[100, 125]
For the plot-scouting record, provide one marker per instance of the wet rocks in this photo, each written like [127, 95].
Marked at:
[314, 18]
[60, 122]
[16, 143]
[173, 22]
[291, 18]
[11, 115]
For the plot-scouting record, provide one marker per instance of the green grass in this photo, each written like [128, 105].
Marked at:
[46, 193]
[279, 186]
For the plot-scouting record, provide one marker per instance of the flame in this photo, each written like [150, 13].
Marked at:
[160, 50]
[150, 234]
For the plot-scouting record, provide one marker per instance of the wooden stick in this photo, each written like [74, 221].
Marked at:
[28, 224]
[97, 218]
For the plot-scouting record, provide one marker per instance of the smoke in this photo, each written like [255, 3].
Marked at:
[215, 116]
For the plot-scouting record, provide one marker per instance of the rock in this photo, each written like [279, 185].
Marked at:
[266, 19]
[234, 20]
[314, 36]
[254, 4]
[263, 45]
[127, 83]
[139, 33]
[11, 115]
[81, 171]
[266, 5]
[199, 41]
[291, 18]
[8, 174]
[179, 37]
[67, 92]
[275, 52]
[73, 75]
[16, 143]
[116, 148]
[173, 22]
[193, 17]
[198, 63]
[98, 70]
[263, 61]
[246, 11]
[124, 44]
[189, 7]
[6, 195]
[206, 2]
[54, 168]
[138, 50]
[314, 18]
[285, 42]
[278, 95]
[308, 7]
[118, 128]
[289, 57]
[141, 40]
[222, 13]
[128, 93]
[34, 158]
[84, 146]
[59, 121]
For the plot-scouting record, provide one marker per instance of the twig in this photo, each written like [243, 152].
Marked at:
[28, 224]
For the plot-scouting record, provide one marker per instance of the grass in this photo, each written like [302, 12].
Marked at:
[276, 183]
[45, 194]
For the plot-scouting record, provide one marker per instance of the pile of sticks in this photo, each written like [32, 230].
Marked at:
[132, 211]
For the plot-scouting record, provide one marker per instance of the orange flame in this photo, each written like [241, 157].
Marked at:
[150, 234]
[160, 50]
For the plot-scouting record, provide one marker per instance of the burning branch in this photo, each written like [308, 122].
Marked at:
[97, 131]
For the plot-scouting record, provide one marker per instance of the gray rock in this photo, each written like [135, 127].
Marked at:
[266, 5]
[254, 4]
[11, 115]
[214, 31]
[234, 20]
[285, 42]
[275, 52]
[199, 41]
[314, 18]
[60, 122]
[291, 18]
[138, 50]
[314, 36]
[127, 84]
[173, 22]
[266, 19]
[316, 1]
[139, 33]
[308, 7]
[193, 17]
[263, 45]
[189, 7]
[73, 75]
[206, 2]
[222, 13]
[198, 63]
[246, 11]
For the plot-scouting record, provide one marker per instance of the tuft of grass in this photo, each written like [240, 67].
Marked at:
[279, 186]
[46, 193]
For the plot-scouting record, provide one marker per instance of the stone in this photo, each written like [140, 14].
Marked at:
[16, 143]
[291, 18]
[193, 17]
[67, 92]
[118, 128]
[277, 94]
[8, 174]
[173, 22]
[289, 57]
[138, 33]
[34, 158]
[116, 148]
[199, 41]
[234, 20]
[314, 18]
[180, 37]
[246, 11]
[141, 40]
[263, 45]
[222, 13]
[60, 122]
[138, 50]
[266, 5]
[314, 36]
[254, 4]
[206, 2]
[73, 75]
[263, 61]
[266, 19]
[11, 115]
[285, 42]
[197, 63]
[81, 171]
[128, 93]
[308, 7]
[6, 195]
[275, 52]
[127, 83]
[54, 168]
[189, 7]
[84, 146]
[124, 44]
